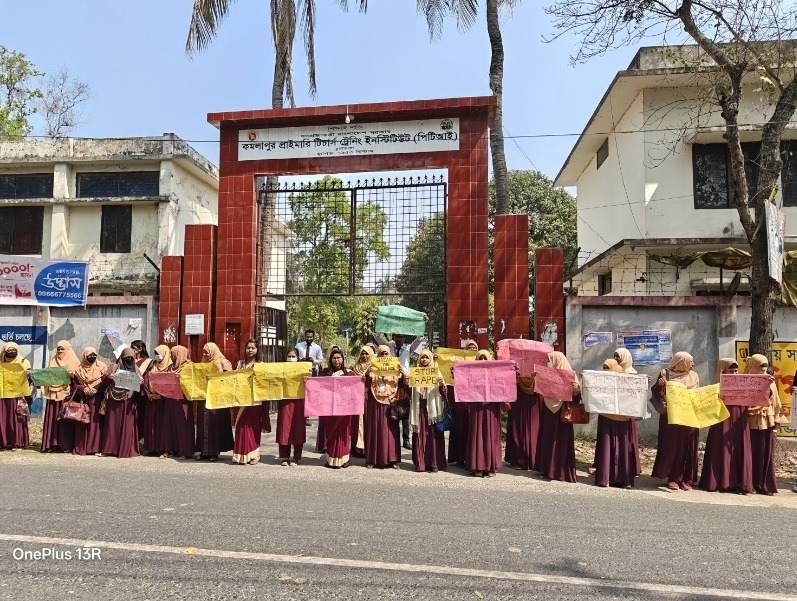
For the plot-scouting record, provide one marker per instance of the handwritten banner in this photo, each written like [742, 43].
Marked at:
[423, 377]
[194, 380]
[385, 366]
[395, 319]
[51, 376]
[278, 381]
[697, 407]
[526, 353]
[554, 383]
[334, 396]
[127, 380]
[784, 366]
[166, 384]
[13, 381]
[231, 389]
[613, 393]
[746, 390]
[485, 381]
[446, 358]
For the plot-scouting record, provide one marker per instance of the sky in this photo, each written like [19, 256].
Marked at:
[132, 54]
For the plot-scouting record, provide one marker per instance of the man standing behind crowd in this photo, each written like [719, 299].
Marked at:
[310, 351]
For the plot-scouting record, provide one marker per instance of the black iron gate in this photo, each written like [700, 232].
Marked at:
[350, 247]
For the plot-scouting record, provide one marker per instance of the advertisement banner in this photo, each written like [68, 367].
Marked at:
[26, 281]
[784, 366]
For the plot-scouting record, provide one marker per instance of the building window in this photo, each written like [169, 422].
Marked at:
[117, 228]
[21, 230]
[604, 283]
[121, 183]
[711, 174]
[788, 175]
[603, 152]
[31, 185]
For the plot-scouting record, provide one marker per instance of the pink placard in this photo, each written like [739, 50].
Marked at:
[334, 396]
[746, 390]
[526, 353]
[485, 381]
[166, 384]
[554, 383]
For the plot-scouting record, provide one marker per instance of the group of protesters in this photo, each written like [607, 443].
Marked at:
[116, 421]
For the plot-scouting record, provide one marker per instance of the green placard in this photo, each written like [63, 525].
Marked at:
[51, 376]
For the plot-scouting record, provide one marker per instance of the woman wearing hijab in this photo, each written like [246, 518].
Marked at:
[214, 427]
[291, 424]
[321, 438]
[250, 421]
[763, 421]
[358, 421]
[523, 427]
[58, 434]
[143, 363]
[176, 433]
[728, 460]
[337, 428]
[154, 406]
[88, 380]
[615, 446]
[14, 412]
[483, 456]
[626, 363]
[426, 409]
[458, 435]
[120, 427]
[382, 441]
[676, 455]
[556, 453]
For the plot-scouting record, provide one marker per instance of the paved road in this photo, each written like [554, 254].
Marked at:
[178, 529]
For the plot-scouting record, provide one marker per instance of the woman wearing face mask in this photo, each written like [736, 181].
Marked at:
[58, 434]
[14, 412]
[177, 430]
[382, 441]
[89, 390]
[250, 421]
[214, 428]
[358, 421]
[120, 428]
[153, 403]
[291, 426]
[426, 409]
[337, 427]
[458, 435]
[626, 362]
[484, 434]
[615, 445]
[763, 421]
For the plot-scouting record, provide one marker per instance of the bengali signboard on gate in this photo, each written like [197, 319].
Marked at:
[349, 139]
[26, 281]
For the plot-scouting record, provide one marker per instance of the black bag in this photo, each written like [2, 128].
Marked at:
[398, 410]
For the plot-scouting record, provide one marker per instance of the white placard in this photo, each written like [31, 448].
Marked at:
[194, 325]
[615, 393]
[347, 139]
[776, 223]
[127, 380]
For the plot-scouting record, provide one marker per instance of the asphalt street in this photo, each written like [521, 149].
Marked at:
[179, 529]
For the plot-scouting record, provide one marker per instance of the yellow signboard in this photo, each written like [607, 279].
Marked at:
[385, 366]
[231, 389]
[423, 377]
[696, 408]
[784, 366]
[446, 358]
[194, 380]
[278, 381]
[13, 381]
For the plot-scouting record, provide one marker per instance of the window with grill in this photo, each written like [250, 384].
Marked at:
[122, 183]
[21, 230]
[30, 185]
[711, 174]
[116, 228]
[604, 283]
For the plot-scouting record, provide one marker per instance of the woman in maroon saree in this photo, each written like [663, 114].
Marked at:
[358, 421]
[154, 405]
[120, 428]
[291, 424]
[177, 415]
[556, 451]
[763, 421]
[88, 385]
[615, 446]
[214, 428]
[250, 421]
[382, 441]
[426, 409]
[14, 411]
[458, 435]
[484, 434]
[337, 428]
[58, 434]
[523, 427]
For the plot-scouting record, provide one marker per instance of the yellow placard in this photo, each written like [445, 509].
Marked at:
[446, 358]
[784, 366]
[231, 389]
[13, 381]
[423, 377]
[194, 380]
[696, 408]
[385, 366]
[277, 381]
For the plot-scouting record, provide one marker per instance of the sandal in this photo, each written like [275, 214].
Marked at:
[285, 462]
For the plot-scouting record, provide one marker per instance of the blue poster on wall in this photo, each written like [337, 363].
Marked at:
[24, 335]
[27, 281]
[643, 348]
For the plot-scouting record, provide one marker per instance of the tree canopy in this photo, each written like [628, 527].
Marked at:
[18, 94]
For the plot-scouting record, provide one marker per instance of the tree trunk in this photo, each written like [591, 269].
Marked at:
[497, 129]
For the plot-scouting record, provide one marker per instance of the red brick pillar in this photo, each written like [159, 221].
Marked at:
[169, 300]
[549, 303]
[199, 285]
[511, 269]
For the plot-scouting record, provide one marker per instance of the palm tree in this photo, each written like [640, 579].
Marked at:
[465, 13]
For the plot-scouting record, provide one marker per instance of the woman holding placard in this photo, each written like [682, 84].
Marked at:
[615, 446]
[177, 429]
[626, 362]
[59, 434]
[556, 452]
[728, 460]
[676, 455]
[154, 405]
[523, 426]
[250, 421]
[213, 429]
[484, 434]
[291, 424]
[358, 421]
[458, 435]
[14, 411]
[89, 390]
[426, 409]
[382, 441]
[119, 405]
[337, 428]
[763, 421]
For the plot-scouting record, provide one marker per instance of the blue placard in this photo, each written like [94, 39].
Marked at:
[643, 348]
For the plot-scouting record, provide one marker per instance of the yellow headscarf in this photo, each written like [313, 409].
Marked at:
[215, 356]
[18, 358]
[362, 366]
[166, 362]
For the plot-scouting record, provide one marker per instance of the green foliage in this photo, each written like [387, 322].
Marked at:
[17, 97]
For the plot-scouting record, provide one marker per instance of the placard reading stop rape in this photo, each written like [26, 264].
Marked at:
[423, 377]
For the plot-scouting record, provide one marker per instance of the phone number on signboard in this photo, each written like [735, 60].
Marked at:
[59, 294]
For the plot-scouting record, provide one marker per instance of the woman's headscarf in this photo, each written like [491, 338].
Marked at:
[470, 342]
[724, 364]
[754, 363]
[769, 414]
[179, 358]
[65, 358]
[216, 357]
[486, 354]
[18, 359]
[626, 361]
[681, 371]
[612, 365]
[558, 361]
[127, 361]
[434, 400]
[166, 361]
[89, 373]
[383, 348]
[362, 366]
